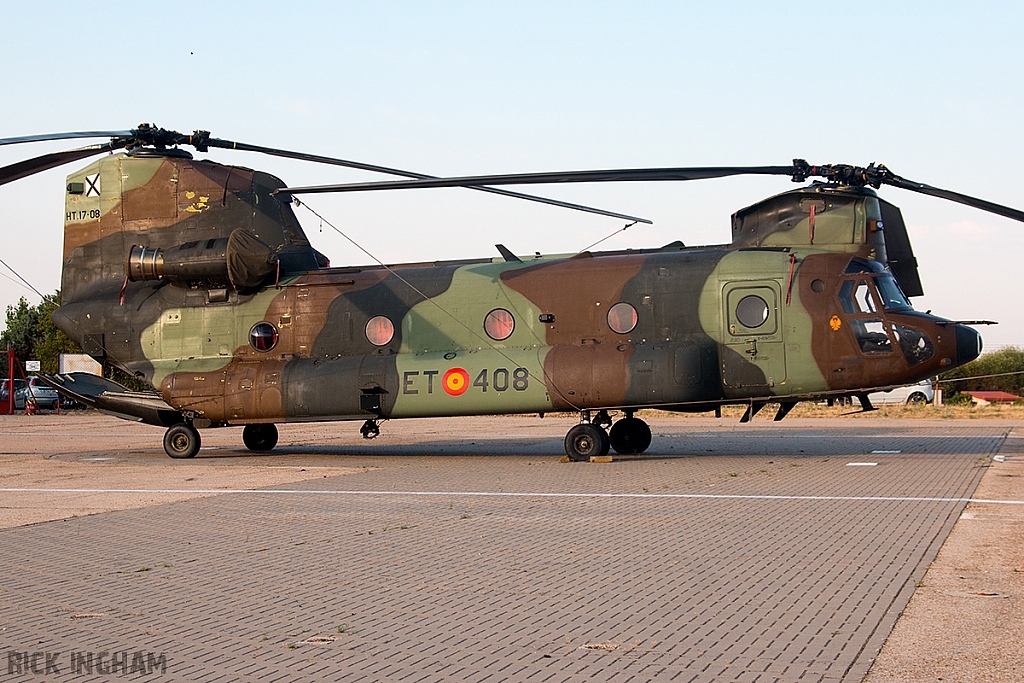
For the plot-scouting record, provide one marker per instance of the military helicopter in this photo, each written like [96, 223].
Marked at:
[196, 278]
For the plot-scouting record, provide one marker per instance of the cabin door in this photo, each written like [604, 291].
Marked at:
[755, 353]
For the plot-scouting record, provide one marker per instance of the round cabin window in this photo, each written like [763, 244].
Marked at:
[499, 324]
[263, 336]
[622, 318]
[752, 311]
[380, 330]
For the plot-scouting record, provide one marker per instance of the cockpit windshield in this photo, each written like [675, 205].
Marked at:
[891, 294]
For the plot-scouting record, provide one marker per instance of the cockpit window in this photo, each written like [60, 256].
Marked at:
[846, 297]
[871, 336]
[892, 295]
[856, 296]
[863, 297]
[915, 345]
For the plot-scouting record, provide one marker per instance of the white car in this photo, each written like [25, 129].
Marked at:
[913, 395]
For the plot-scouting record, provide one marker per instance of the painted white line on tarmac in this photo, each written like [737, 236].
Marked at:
[780, 435]
[524, 494]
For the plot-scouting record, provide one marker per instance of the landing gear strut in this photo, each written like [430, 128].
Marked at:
[182, 441]
[260, 437]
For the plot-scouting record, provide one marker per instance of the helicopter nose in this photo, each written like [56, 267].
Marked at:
[968, 344]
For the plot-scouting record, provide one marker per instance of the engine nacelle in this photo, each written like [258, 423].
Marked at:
[202, 261]
[241, 260]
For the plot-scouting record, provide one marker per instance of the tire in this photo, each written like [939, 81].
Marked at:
[260, 437]
[630, 436]
[182, 441]
[917, 399]
[585, 441]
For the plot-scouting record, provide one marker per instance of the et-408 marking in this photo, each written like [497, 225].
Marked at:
[455, 381]
[493, 381]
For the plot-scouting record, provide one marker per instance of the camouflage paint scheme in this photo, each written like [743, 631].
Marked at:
[190, 339]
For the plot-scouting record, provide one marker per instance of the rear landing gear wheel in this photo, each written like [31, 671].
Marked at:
[182, 441]
[630, 436]
[585, 441]
[260, 437]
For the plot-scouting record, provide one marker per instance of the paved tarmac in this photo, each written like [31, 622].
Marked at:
[463, 550]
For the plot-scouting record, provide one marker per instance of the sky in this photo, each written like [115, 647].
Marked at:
[931, 89]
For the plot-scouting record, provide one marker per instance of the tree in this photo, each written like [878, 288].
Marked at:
[33, 336]
[21, 324]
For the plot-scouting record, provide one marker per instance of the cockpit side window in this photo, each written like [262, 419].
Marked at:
[863, 297]
[871, 335]
[846, 297]
[915, 344]
[858, 296]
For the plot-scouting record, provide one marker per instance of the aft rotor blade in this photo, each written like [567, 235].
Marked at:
[66, 136]
[23, 169]
[991, 207]
[604, 176]
[228, 144]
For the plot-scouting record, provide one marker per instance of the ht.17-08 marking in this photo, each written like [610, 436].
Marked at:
[82, 215]
[455, 381]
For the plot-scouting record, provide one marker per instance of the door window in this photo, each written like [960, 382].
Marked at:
[752, 311]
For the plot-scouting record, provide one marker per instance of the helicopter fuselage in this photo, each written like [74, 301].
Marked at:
[677, 328]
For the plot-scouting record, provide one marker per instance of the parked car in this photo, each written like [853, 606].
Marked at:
[914, 394]
[4, 383]
[44, 396]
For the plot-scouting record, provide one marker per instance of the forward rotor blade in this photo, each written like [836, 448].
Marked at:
[228, 144]
[605, 176]
[66, 136]
[23, 169]
[991, 207]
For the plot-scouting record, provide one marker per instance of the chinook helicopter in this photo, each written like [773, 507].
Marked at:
[196, 278]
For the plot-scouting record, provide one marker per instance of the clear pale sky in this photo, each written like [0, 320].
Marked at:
[931, 89]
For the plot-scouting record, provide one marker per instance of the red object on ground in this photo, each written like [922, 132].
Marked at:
[994, 396]
[8, 407]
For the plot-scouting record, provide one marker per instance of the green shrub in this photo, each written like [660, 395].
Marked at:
[959, 399]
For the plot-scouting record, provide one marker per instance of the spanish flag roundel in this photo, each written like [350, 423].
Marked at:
[455, 381]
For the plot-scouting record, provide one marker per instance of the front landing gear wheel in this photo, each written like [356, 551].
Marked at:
[260, 438]
[585, 441]
[181, 441]
[630, 436]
